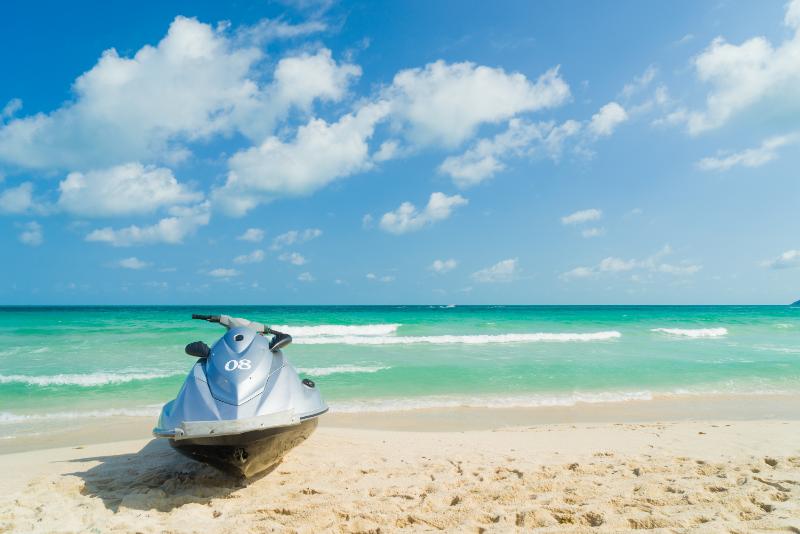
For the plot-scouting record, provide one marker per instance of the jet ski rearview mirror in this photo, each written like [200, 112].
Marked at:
[198, 349]
[279, 341]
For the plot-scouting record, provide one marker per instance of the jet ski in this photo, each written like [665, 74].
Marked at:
[242, 407]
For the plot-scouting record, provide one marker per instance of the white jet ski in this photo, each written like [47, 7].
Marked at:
[243, 406]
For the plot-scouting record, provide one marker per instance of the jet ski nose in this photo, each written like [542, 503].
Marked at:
[239, 339]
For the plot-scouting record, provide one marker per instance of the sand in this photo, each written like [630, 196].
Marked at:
[700, 476]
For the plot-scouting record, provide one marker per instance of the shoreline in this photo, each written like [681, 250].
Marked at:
[101, 430]
[709, 476]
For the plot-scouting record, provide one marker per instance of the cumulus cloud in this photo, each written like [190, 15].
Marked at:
[197, 82]
[444, 103]
[320, 153]
[407, 218]
[257, 256]
[297, 237]
[17, 200]
[752, 157]
[605, 121]
[255, 235]
[305, 277]
[294, 258]
[183, 221]
[502, 271]
[788, 260]
[651, 264]
[31, 233]
[741, 76]
[486, 157]
[582, 216]
[443, 266]
[187, 87]
[128, 189]
[133, 263]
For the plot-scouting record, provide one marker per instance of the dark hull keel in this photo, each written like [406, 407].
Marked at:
[246, 454]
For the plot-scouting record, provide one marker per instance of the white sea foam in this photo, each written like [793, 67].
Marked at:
[16, 418]
[83, 380]
[517, 401]
[339, 330]
[480, 339]
[693, 332]
[341, 369]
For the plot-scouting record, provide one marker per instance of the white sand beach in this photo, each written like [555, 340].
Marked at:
[679, 476]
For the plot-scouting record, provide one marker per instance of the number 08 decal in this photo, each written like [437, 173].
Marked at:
[232, 365]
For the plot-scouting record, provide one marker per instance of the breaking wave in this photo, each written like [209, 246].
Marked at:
[15, 418]
[693, 332]
[341, 369]
[339, 330]
[83, 380]
[519, 401]
[465, 339]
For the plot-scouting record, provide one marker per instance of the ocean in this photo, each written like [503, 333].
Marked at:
[59, 365]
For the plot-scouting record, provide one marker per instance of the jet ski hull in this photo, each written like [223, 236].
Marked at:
[249, 453]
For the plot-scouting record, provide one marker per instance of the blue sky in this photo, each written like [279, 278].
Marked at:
[412, 152]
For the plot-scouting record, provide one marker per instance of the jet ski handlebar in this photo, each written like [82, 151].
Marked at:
[209, 318]
[230, 322]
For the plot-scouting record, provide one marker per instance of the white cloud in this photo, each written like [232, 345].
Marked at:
[255, 235]
[128, 189]
[294, 258]
[17, 200]
[366, 221]
[444, 103]
[787, 260]
[293, 237]
[443, 266]
[502, 271]
[10, 109]
[651, 264]
[197, 82]
[744, 75]
[257, 256]
[593, 232]
[407, 218]
[187, 87]
[267, 30]
[640, 83]
[31, 233]
[752, 157]
[305, 277]
[183, 221]
[319, 154]
[133, 263]
[223, 273]
[582, 216]
[485, 158]
[385, 279]
[387, 150]
[523, 138]
[605, 121]
[305, 78]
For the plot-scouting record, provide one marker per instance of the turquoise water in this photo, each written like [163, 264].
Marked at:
[74, 362]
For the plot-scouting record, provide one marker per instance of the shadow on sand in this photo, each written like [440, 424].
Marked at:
[156, 478]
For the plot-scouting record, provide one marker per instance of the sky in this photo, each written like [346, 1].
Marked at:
[315, 152]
